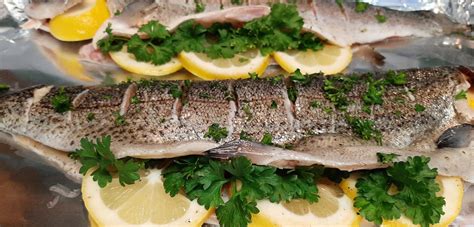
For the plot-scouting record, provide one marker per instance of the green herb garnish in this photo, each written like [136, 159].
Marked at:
[281, 30]
[135, 100]
[253, 75]
[365, 129]
[200, 7]
[292, 94]
[415, 197]
[380, 18]
[419, 108]
[216, 133]
[245, 136]
[119, 119]
[4, 87]
[461, 95]
[395, 78]
[204, 179]
[273, 105]
[61, 102]
[267, 139]
[336, 89]
[247, 111]
[315, 104]
[298, 77]
[386, 158]
[99, 157]
[360, 6]
[90, 116]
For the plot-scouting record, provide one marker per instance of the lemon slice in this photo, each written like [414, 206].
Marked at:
[451, 189]
[142, 203]
[470, 100]
[128, 62]
[330, 60]
[334, 208]
[220, 69]
[80, 22]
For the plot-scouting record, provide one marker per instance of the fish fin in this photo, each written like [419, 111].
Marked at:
[369, 54]
[459, 136]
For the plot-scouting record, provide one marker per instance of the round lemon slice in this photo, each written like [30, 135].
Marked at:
[334, 208]
[142, 203]
[451, 189]
[330, 60]
[80, 22]
[128, 62]
[221, 69]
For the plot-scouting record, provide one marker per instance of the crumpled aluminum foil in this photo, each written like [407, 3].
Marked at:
[16, 10]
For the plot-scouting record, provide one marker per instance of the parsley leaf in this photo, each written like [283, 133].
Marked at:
[365, 129]
[111, 43]
[99, 157]
[419, 108]
[380, 18]
[360, 6]
[298, 77]
[61, 102]
[395, 78]
[245, 136]
[274, 105]
[415, 196]
[336, 89]
[155, 30]
[204, 179]
[90, 116]
[267, 139]
[216, 133]
[386, 158]
[4, 87]
[200, 7]
[461, 95]
[292, 93]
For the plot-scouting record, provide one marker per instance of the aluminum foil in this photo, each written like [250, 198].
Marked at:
[34, 57]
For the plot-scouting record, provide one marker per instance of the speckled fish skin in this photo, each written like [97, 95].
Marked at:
[155, 124]
[339, 25]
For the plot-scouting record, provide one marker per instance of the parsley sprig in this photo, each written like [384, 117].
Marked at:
[279, 31]
[204, 179]
[415, 197]
[98, 156]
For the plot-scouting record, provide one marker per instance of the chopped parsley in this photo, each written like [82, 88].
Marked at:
[204, 179]
[119, 119]
[395, 78]
[204, 95]
[216, 133]
[336, 89]
[360, 6]
[365, 129]
[281, 30]
[273, 105]
[461, 95]
[253, 76]
[415, 197]
[245, 136]
[380, 18]
[419, 108]
[61, 102]
[374, 93]
[386, 158]
[135, 100]
[4, 87]
[315, 104]
[267, 139]
[174, 90]
[90, 116]
[99, 156]
[247, 111]
[200, 7]
[298, 77]
[292, 93]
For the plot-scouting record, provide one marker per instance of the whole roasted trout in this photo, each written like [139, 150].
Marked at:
[303, 116]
